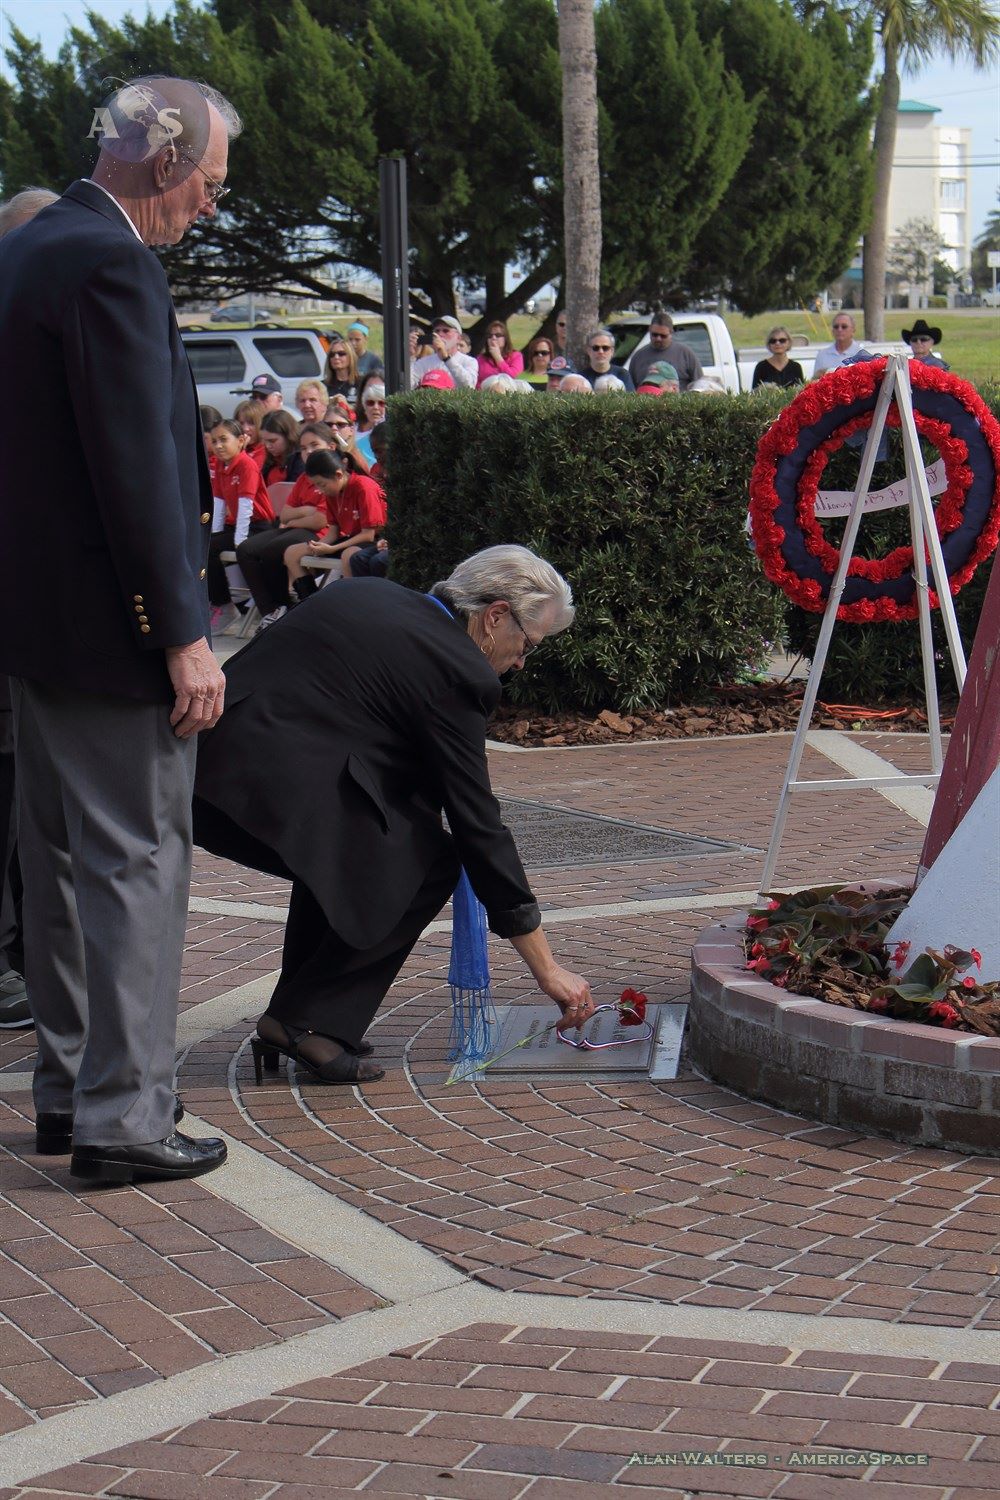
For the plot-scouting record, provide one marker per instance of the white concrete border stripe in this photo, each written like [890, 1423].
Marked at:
[149, 1410]
[916, 801]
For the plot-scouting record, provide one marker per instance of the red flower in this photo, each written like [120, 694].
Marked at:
[773, 905]
[977, 957]
[878, 1002]
[759, 964]
[945, 1013]
[756, 924]
[899, 954]
[632, 1007]
[969, 983]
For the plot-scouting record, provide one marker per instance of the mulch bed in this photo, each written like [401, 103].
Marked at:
[756, 709]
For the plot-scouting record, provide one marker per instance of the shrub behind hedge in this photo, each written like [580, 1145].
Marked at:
[640, 503]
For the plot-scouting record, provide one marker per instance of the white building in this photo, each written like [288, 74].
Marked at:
[930, 179]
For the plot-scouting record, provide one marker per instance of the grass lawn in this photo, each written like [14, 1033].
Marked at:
[970, 343]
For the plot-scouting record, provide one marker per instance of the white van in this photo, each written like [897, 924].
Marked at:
[224, 362]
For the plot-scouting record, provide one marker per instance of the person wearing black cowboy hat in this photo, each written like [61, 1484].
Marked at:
[921, 340]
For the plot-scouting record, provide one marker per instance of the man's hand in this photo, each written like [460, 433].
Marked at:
[199, 687]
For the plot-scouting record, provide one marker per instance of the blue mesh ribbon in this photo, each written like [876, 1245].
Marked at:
[473, 1017]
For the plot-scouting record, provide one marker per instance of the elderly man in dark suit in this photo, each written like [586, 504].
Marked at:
[112, 673]
[379, 698]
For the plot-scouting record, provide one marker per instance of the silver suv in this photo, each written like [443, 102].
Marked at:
[225, 361]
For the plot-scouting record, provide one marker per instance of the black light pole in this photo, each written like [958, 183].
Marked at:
[395, 273]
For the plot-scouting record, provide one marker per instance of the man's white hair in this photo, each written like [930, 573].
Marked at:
[24, 206]
[529, 584]
[576, 385]
[500, 384]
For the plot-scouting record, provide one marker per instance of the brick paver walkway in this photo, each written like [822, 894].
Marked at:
[519, 1285]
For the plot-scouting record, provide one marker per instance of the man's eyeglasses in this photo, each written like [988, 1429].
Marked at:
[602, 348]
[529, 644]
[841, 327]
[214, 191]
[921, 338]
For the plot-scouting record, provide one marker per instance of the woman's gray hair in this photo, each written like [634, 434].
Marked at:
[529, 584]
[24, 206]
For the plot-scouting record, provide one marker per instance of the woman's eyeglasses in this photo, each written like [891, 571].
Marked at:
[777, 341]
[529, 644]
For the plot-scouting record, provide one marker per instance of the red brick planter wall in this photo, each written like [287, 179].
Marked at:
[916, 1083]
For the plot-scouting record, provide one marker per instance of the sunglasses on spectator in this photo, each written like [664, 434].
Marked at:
[374, 401]
[340, 353]
[777, 341]
[340, 426]
[542, 354]
[921, 338]
[602, 348]
[841, 327]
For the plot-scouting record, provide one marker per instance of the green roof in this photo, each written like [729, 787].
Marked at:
[914, 107]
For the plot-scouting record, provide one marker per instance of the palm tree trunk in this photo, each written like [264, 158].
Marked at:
[581, 171]
[877, 239]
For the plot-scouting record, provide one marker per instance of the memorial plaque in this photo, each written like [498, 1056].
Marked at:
[549, 837]
[543, 1052]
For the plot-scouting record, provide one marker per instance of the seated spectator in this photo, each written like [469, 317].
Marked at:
[499, 357]
[445, 335]
[844, 347]
[302, 516]
[538, 356]
[242, 509]
[499, 385]
[267, 390]
[559, 367]
[660, 380]
[575, 385]
[340, 374]
[312, 400]
[371, 411]
[600, 353]
[356, 508]
[436, 380]
[366, 362]
[250, 414]
[663, 346]
[279, 432]
[210, 417]
[341, 422]
[707, 385]
[777, 368]
[372, 560]
[608, 385]
[921, 339]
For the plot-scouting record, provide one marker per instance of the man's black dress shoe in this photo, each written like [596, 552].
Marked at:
[54, 1130]
[177, 1156]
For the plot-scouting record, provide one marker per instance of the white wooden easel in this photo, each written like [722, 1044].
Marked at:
[896, 382]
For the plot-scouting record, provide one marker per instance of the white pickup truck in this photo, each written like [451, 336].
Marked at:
[709, 338]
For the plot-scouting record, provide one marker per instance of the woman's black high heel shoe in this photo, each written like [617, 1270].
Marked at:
[265, 1055]
[343, 1066]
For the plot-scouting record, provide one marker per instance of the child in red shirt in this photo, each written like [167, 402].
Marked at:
[242, 507]
[250, 414]
[356, 507]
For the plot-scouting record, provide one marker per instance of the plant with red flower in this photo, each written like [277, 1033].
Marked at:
[977, 957]
[878, 1002]
[946, 1015]
[968, 983]
[632, 1007]
[899, 954]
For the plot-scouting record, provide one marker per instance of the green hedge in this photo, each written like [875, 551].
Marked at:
[640, 503]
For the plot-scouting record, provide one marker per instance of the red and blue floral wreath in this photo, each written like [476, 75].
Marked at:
[793, 453]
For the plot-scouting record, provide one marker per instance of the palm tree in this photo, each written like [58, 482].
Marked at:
[910, 32]
[581, 170]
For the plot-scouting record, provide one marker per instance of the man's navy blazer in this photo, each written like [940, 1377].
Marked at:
[349, 726]
[105, 498]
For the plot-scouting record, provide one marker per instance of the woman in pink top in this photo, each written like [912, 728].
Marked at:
[499, 356]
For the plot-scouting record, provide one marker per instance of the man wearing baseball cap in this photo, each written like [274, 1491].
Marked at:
[266, 390]
[445, 334]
